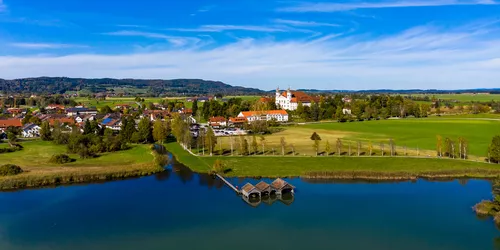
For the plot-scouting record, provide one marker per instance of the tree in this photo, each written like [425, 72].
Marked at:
[263, 142]
[45, 132]
[494, 150]
[105, 110]
[327, 148]
[159, 131]
[145, 131]
[195, 106]
[11, 137]
[211, 140]
[339, 146]
[283, 145]
[370, 147]
[439, 145]
[87, 128]
[392, 146]
[244, 147]
[316, 138]
[359, 148]
[127, 128]
[382, 148]
[255, 145]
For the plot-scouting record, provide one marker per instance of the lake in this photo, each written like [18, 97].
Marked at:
[178, 209]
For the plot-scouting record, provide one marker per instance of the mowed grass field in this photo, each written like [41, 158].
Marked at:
[466, 97]
[34, 160]
[420, 133]
[411, 134]
[336, 167]
[36, 154]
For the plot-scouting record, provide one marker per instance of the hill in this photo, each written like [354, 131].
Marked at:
[153, 87]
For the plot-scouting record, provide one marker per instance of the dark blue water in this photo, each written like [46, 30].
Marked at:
[182, 210]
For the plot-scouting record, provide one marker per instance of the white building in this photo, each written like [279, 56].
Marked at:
[277, 115]
[289, 100]
[31, 130]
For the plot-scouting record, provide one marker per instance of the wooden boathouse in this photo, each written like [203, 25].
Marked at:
[280, 186]
[250, 190]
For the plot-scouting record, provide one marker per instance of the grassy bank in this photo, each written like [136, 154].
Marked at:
[339, 167]
[34, 160]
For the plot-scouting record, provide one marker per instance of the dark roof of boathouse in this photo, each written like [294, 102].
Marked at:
[279, 184]
[248, 188]
[263, 186]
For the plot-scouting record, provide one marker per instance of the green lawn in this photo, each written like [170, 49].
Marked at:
[34, 160]
[37, 154]
[417, 132]
[466, 97]
[279, 166]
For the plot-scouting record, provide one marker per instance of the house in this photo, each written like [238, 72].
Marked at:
[16, 111]
[346, 111]
[156, 114]
[186, 111]
[289, 100]
[113, 124]
[7, 123]
[264, 188]
[54, 107]
[31, 130]
[84, 118]
[277, 115]
[122, 106]
[280, 186]
[218, 121]
[347, 99]
[63, 121]
[237, 121]
[81, 111]
[250, 190]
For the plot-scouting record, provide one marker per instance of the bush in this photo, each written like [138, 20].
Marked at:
[60, 159]
[9, 169]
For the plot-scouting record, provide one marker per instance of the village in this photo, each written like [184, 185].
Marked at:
[25, 122]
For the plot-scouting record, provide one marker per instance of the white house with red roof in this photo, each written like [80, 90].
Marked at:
[277, 115]
[289, 100]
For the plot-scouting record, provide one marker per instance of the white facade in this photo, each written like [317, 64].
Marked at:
[278, 115]
[31, 130]
[287, 102]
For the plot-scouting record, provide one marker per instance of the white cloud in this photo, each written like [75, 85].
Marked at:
[45, 45]
[421, 57]
[221, 28]
[3, 7]
[345, 6]
[304, 23]
[174, 40]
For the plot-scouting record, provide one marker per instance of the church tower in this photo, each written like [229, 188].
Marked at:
[289, 94]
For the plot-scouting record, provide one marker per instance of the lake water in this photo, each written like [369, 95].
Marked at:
[181, 210]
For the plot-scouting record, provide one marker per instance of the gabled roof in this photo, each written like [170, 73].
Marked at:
[280, 184]
[29, 126]
[66, 120]
[248, 188]
[217, 119]
[262, 186]
[237, 119]
[268, 112]
[11, 123]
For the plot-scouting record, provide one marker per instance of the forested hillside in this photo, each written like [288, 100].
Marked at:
[177, 87]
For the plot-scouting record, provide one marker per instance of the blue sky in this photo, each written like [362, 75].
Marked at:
[406, 44]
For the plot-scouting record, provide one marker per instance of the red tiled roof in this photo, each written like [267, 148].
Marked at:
[270, 112]
[10, 123]
[299, 96]
[218, 119]
[237, 119]
[62, 121]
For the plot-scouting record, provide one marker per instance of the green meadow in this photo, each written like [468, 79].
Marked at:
[420, 133]
[466, 97]
[38, 171]
[336, 167]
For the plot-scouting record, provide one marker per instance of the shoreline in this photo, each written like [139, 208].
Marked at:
[68, 175]
[466, 169]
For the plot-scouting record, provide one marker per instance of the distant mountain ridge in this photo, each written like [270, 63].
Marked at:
[155, 87]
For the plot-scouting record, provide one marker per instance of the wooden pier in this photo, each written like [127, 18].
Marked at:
[228, 184]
